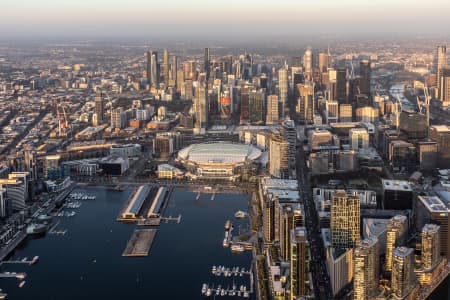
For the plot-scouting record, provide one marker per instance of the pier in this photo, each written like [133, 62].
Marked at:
[170, 218]
[140, 242]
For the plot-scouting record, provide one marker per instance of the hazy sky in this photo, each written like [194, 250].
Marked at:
[151, 18]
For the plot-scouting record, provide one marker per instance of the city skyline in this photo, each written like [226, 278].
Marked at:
[200, 18]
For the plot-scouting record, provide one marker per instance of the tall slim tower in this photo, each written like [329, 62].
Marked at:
[308, 63]
[299, 263]
[341, 85]
[440, 63]
[283, 89]
[149, 68]
[364, 81]
[403, 277]
[201, 106]
[173, 71]
[345, 220]
[279, 156]
[166, 67]
[154, 70]
[430, 246]
[207, 62]
[396, 232]
[366, 269]
[305, 102]
[99, 107]
[272, 110]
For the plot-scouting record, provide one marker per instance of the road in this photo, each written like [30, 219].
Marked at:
[321, 280]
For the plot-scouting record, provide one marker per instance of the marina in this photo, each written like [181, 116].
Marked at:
[95, 268]
[140, 242]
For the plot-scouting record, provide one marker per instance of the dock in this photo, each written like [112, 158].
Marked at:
[140, 242]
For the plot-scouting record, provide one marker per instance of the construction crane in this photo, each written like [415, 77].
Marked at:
[63, 123]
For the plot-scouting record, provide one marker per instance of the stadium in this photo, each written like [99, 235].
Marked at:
[221, 160]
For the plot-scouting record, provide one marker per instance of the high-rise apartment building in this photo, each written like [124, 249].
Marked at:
[201, 106]
[396, 233]
[345, 220]
[366, 269]
[341, 85]
[279, 156]
[403, 277]
[431, 253]
[166, 67]
[99, 107]
[299, 264]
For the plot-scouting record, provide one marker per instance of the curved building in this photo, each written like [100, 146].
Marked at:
[218, 160]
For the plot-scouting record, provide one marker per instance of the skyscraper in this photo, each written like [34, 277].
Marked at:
[289, 132]
[366, 269]
[305, 102]
[365, 74]
[299, 264]
[345, 220]
[256, 107]
[430, 246]
[440, 63]
[403, 277]
[396, 232]
[308, 63]
[444, 86]
[279, 156]
[149, 68]
[324, 62]
[272, 110]
[154, 69]
[99, 107]
[201, 106]
[341, 85]
[207, 62]
[166, 67]
[283, 89]
[173, 71]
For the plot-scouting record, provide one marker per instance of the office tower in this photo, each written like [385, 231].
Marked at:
[283, 89]
[414, 124]
[207, 62]
[3, 203]
[431, 209]
[431, 250]
[166, 67]
[308, 63]
[118, 118]
[180, 80]
[366, 269]
[324, 62]
[341, 85]
[225, 105]
[396, 234]
[52, 169]
[428, 152]
[444, 86]
[201, 106]
[296, 61]
[173, 75]
[299, 264]
[359, 138]
[30, 162]
[364, 81]
[441, 135]
[154, 69]
[403, 277]
[331, 111]
[345, 112]
[332, 84]
[440, 63]
[272, 110]
[397, 194]
[189, 70]
[99, 107]
[17, 189]
[279, 156]
[305, 102]
[345, 220]
[256, 107]
[149, 68]
[289, 132]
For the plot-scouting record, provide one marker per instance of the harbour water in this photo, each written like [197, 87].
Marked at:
[87, 263]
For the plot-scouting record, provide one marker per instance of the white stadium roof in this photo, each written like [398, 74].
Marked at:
[220, 153]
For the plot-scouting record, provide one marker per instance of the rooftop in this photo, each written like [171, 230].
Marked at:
[398, 185]
[434, 204]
